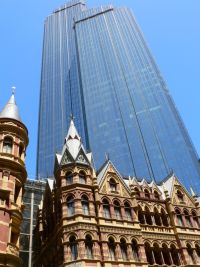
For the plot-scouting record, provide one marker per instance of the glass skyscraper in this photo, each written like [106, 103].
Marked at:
[97, 66]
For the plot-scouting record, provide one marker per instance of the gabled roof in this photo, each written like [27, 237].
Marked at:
[10, 110]
[103, 171]
[73, 150]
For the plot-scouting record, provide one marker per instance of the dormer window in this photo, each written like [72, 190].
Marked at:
[113, 185]
[146, 194]
[156, 195]
[180, 196]
[7, 145]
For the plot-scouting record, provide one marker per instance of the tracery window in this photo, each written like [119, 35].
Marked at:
[7, 145]
[187, 218]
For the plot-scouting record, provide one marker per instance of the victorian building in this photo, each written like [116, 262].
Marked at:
[13, 143]
[90, 218]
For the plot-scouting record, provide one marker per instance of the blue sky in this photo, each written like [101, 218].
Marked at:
[172, 32]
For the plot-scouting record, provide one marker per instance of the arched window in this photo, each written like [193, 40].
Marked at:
[21, 149]
[175, 255]
[198, 252]
[123, 247]
[146, 194]
[164, 218]
[180, 196]
[106, 209]
[179, 218]
[111, 247]
[88, 247]
[70, 206]
[157, 217]
[157, 254]
[190, 255]
[141, 216]
[148, 216]
[187, 218]
[69, 178]
[82, 178]
[195, 219]
[85, 205]
[166, 255]
[149, 254]
[7, 145]
[156, 195]
[73, 247]
[127, 211]
[117, 210]
[135, 250]
[113, 185]
[137, 192]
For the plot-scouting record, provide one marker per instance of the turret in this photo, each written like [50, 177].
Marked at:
[13, 143]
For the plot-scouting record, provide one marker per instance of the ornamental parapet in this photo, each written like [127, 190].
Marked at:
[155, 228]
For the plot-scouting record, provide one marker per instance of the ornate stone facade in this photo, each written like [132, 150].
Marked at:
[90, 218]
[13, 143]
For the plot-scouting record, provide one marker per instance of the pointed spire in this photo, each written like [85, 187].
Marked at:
[72, 132]
[192, 192]
[11, 110]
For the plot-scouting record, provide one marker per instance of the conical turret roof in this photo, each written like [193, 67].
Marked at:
[11, 110]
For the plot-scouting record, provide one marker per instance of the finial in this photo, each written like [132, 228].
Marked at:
[107, 156]
[13, 90]
[72, 117]
[192, 192]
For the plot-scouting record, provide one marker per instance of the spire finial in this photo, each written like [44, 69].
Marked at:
[13, 90]
[107, 156]
[72, 117]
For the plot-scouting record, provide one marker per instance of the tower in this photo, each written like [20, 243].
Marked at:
[13, 143]
[121, 102]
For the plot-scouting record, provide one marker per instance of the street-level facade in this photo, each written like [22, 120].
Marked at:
[90, 218]
[13, 143]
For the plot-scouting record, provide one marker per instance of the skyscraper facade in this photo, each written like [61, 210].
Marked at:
[97, 66]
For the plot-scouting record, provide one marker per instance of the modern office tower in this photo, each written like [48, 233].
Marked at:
[33, 194]
[97, 66]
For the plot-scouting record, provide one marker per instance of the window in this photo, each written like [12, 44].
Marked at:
[21, 149]
[7, 145]
[180, 196]
[157, 217]
[113, 185]
[198, 252]
[70, 206]
[85, 205]
[106, 209]
[175, 255]
[187, 219]
[111, 247]
[149, 254]
[123, 247]
[117, 210]
[148, 216]
[127, 211]
[146, 194]
[69, 178]
[73, 247]
[156, 195]
[195, 219]
[137, 192]
[82, 178]
[190, 254]
[179, 218]
[135, 250]
[141, 216]
[164, 218]
[88, 247]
